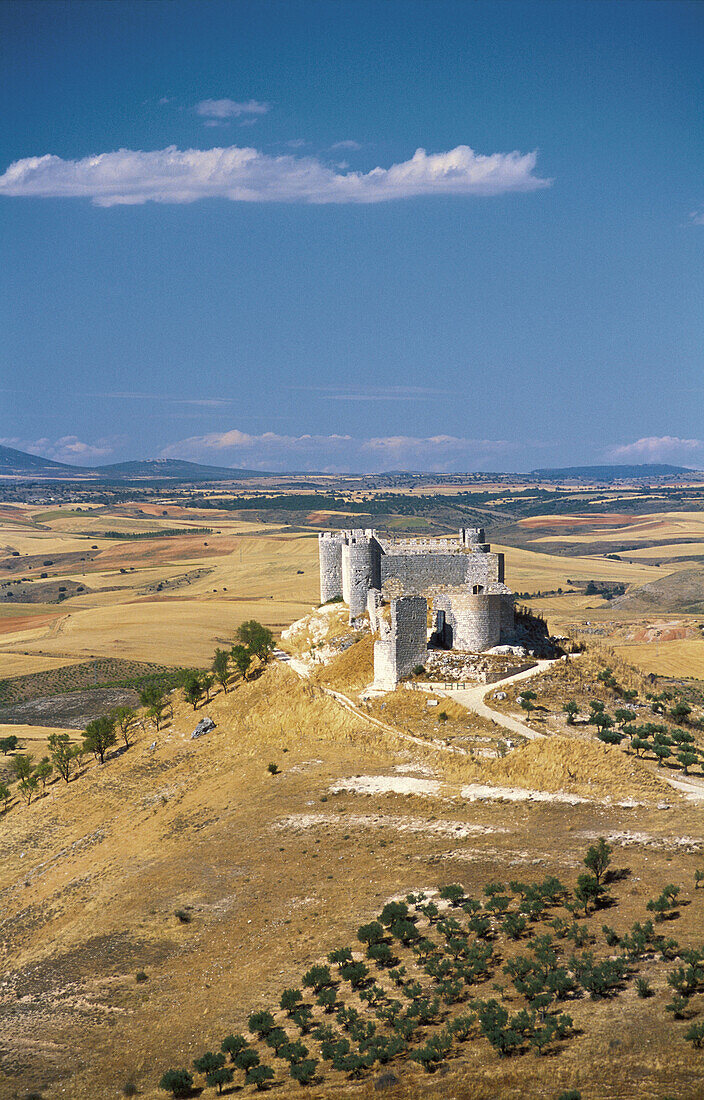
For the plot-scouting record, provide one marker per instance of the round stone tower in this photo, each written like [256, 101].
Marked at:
[361, 569]
[330, 557]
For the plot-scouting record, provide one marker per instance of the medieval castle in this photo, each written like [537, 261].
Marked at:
[398, 582]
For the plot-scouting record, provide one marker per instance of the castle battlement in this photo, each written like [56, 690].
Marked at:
[462, 579]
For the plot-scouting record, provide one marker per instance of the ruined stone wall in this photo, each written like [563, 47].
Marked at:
[508, 616]
[416, 574]
[473, 622]
[403, 645]
[353, 562]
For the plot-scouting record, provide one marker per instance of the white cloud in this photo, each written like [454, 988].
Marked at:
[697, 217]
[659, 448]
[227, 108]
[69, 448]
[378, 393]
[340, 453]
[346, 145]
[171, 175]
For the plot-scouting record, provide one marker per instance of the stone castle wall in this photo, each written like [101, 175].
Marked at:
[403, 643]
[415, 574]
[472, 621]
[392, 581]
[352, 562]
[330, 559]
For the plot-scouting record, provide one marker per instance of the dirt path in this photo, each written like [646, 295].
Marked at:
[693, 789]
[473, 699]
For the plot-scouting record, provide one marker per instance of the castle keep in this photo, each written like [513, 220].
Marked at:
[449, 592]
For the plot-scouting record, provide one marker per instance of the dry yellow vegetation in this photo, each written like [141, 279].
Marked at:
[272, 873]
[655, 527]
[531, 570]
[209, 584]
[584, 768]
[682, 657]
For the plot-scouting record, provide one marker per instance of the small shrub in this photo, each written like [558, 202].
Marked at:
[290, 999]
[302, 1017]
[233, 1045]
[317, 978]
[293, 1052]
[327, 999]
[260, 1023]
[276, 1038]
[183, 915]
[678, 1007]
[610, 935]
[178, 1082]
[246, 1059]
[304, 1071]
[392, 912]
[258, 1076]
[340, 957]
[273, 769]
[219, 1077]
[371, 933]
[129, 1089]
[381, 954]
[356, 973]
[140, 976]
[454, 893]
[209, 1062]
[695, 1035]
[643, 988]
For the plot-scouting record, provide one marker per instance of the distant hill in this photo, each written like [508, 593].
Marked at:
[612, 473]
[173, 468]
[15, 463]
[679, 592]
[20, 464]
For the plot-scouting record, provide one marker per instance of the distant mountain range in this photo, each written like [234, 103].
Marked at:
[19, 464]
[611, 473]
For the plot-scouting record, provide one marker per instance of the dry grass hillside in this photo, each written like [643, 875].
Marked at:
[219, 884]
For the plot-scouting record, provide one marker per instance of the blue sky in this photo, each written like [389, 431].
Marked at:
[527, 291]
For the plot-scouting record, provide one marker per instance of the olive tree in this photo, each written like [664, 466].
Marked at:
[100, 736]
[63, 754]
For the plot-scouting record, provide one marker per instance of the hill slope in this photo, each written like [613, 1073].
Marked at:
[682, 592]
[172, 468]
[14, 463]
[186, 862]
[611, 473]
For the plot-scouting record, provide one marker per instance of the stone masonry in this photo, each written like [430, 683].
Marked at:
[395, 580]
[402, 642]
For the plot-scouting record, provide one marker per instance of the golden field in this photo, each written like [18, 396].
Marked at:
[209, 584]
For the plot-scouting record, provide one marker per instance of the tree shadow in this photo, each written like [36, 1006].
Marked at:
[617, 875]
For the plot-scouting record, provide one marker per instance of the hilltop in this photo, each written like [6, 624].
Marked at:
[612, 473]
[20, 464]
[187, 863]
[682, 592]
